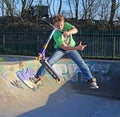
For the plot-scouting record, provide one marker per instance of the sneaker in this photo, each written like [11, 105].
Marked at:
[93, 84]
[58, 81]
[35, 80]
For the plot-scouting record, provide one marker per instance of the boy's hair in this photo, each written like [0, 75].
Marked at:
[58, 18]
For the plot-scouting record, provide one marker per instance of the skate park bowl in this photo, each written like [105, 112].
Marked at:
[71, 98]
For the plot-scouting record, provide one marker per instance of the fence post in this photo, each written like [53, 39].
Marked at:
[37, 42]
[3, 40]
[113, 51]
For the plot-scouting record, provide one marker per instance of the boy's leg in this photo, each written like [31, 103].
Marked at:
[56, 56]
[75, 56]
[51, 60]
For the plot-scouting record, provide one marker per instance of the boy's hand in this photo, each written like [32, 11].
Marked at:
[80, 46]
[66, 34]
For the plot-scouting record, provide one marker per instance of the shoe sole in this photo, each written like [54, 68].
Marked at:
[97, 87]
[58, 81]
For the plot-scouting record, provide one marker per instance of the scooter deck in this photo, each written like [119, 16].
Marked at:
[50, 70]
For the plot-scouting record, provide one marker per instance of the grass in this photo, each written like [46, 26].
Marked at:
[1, 59]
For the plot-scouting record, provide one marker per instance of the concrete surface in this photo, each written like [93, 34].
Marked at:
[71, 98]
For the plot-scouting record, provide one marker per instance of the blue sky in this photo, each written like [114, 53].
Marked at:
[65, 6]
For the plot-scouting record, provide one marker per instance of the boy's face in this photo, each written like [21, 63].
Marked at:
[59, 25]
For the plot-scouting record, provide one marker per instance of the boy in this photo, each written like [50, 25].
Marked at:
[65, 44]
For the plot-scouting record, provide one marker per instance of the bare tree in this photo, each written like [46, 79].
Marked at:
[26, 4]
[9, 7]
[40, 2]
[76, 9]
[90, 8]
[54, 9]
[69, 3]
[49, 4]
[59, 9]
[2, 7]
[104, 10]
[114, 7]
[112, 14]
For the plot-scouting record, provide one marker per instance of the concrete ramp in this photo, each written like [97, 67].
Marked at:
[15, 96]
[62, 100]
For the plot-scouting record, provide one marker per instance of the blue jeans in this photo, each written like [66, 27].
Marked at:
[74, 55]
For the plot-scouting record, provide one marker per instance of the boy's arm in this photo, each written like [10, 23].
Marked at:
[66, 47]
[72, 31]
[79, 47]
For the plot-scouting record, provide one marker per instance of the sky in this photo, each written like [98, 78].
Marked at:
[65, 7]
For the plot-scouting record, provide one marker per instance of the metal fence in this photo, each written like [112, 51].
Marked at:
[100, 43]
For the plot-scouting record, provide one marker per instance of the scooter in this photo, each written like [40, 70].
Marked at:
[42, 57]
